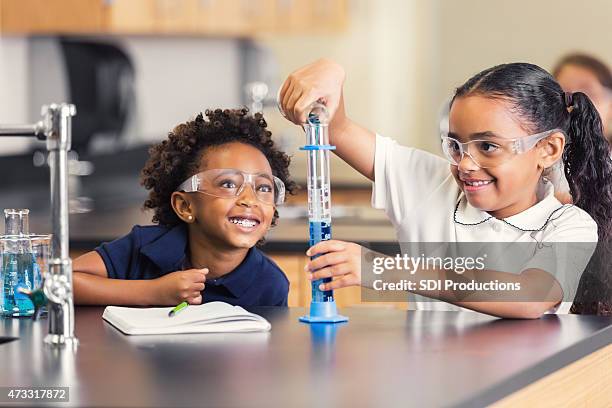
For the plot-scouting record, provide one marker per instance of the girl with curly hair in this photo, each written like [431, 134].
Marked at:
[214, 185]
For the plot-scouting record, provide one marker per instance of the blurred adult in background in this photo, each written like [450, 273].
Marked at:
[583, 73]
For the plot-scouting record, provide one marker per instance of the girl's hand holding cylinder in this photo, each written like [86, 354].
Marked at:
[338, 260]
[320, 81]
[323, 81]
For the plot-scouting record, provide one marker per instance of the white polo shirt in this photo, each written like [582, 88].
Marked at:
[420, 195]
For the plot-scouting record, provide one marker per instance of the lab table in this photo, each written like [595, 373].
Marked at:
[380, 358]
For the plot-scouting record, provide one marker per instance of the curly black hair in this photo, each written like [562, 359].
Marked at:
[177, 158]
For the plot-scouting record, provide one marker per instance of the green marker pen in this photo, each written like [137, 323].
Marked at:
[177, 309]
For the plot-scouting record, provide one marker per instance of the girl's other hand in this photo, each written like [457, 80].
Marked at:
[320, 81]
[339, 260]
[180, 286]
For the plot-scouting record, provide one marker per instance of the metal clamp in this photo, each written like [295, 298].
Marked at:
[55, 128]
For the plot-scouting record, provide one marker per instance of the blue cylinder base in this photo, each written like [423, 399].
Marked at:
[323, 312]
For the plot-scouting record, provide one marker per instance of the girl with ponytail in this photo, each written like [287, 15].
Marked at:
[507, 126]
[541, 103]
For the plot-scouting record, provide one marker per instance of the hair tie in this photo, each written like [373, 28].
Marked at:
[569, 99]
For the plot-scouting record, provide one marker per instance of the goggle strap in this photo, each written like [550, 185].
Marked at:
[527, 143]
[190, 185]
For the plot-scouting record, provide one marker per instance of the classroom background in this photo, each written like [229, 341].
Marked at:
[136, 68]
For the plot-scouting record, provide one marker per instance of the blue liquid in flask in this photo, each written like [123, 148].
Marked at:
[17, 271]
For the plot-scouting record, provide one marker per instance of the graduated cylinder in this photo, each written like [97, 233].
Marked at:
[319, 192]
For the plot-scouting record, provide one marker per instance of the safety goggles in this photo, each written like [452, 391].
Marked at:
[229, 183]
[490, 152]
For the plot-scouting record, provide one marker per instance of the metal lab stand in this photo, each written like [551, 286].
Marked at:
[55, 128]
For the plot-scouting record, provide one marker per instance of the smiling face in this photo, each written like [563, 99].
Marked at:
[508, 188]
[231, 222]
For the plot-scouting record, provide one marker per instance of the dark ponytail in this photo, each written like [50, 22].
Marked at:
[588, 167]
[542, 105]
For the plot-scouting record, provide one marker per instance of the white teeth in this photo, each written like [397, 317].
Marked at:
[478, 183]
[243, 222]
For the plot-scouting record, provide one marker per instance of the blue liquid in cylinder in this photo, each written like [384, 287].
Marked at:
[320, 231]
[17, 272]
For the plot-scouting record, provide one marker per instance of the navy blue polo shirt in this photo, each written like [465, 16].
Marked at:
[149, 252]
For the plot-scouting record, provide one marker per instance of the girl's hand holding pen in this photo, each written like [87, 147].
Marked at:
[339, 260]
[180, 286]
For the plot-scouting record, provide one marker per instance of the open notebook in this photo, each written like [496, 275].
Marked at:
[207, 318]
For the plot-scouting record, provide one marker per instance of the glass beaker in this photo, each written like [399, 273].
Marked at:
[41, 250]
[17, 272]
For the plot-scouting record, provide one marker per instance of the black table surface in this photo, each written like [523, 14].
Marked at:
[381, 357]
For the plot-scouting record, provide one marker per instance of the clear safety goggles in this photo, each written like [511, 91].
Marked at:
[490, 152]
[229, 183]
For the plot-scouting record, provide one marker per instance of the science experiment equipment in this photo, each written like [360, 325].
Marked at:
[323, 306]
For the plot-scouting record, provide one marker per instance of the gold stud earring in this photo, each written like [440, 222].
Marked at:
[190, 217]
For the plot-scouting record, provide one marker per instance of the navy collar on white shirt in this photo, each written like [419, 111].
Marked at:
[533, 218]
